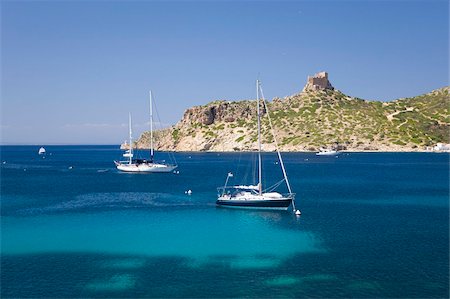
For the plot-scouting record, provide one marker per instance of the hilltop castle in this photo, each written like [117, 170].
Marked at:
[318, 82]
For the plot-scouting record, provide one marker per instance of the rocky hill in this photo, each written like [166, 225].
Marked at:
[319, 116]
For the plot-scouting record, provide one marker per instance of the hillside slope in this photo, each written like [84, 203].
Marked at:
[310, 120]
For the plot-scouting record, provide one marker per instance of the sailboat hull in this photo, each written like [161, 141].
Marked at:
[266, 204]
[146, 167]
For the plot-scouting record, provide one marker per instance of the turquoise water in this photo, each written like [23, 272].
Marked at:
[372, 225]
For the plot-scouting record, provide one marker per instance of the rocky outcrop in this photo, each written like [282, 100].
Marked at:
[219, 111]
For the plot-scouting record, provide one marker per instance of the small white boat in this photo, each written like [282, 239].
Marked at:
[327, 152]
[41, 151]
[143, 165]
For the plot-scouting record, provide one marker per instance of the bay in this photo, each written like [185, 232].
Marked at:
[372, 225]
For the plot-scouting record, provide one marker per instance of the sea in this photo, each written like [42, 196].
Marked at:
[373, 225]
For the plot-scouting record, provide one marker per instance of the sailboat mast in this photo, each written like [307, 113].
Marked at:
[151, 127]
[259, 139]
[131, 139]
[276, 145]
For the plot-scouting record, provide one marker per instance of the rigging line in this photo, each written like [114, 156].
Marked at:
[170, 154]
[274, 186]
[275, 139]
[254, 167]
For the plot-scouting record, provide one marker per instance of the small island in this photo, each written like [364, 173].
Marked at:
[318, 116]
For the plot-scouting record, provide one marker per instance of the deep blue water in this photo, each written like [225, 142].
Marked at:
[372, 225]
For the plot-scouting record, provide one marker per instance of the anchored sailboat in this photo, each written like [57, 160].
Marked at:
[143, 165]
[255, 196]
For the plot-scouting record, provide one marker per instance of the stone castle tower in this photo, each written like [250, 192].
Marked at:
[318, 82]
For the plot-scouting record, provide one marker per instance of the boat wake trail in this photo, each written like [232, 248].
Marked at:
[96, 202]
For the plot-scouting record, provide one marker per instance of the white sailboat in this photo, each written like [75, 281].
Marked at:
[41, 151]
[143, 165]
[255, 196]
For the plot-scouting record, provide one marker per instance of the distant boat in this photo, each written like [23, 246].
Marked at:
[254, 196]
[41, 151]
[143, 165]
[327, 152]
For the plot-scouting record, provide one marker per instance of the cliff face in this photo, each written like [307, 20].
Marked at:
[310, 120]
[219, 111]
[210, 127]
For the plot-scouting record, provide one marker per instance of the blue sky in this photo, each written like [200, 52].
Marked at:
[72, 70]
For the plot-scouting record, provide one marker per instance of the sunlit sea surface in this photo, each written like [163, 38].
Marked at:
[372, 225]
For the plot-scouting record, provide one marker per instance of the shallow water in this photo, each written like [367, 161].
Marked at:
[372, 225]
